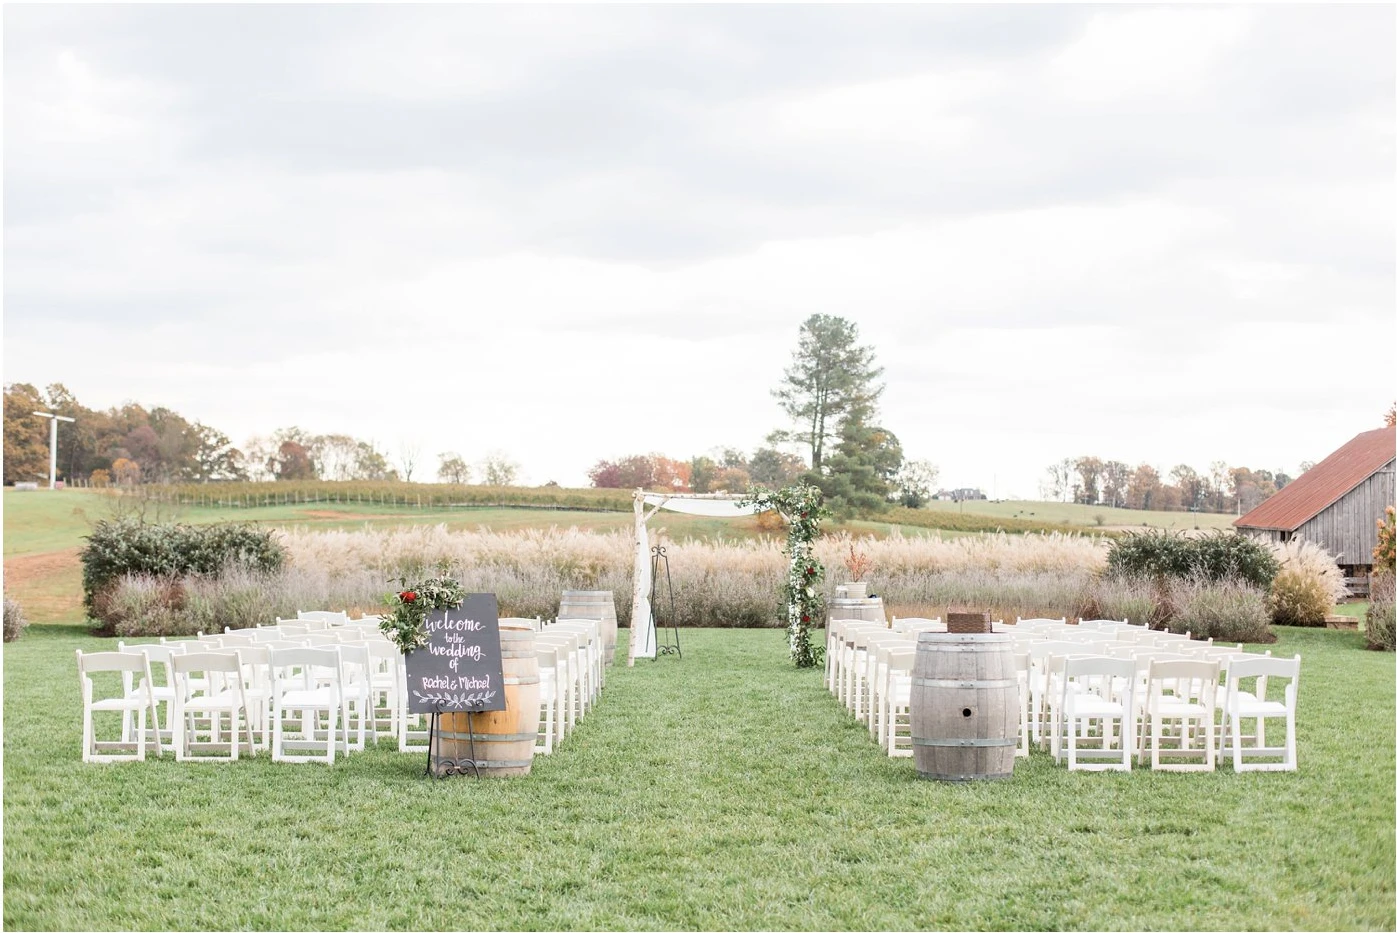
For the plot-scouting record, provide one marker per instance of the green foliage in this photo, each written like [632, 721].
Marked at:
[15, 622]
[803, 508]
[861, 472]
[1223, 555]
[830, 376]
[168, 552]
[1379, 623]
[1216, 556]
[408, 608]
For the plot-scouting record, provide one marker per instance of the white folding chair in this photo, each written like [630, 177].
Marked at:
[220, 690]
[896, 697]
[356, 671]
[306, 681]
[133, 699]
[384, 660]
[548, 698]
[1186, 692]
[323, 617]
[1239, 705]
[1096, 690]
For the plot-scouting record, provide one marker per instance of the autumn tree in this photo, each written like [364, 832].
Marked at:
[496, 469]
[1191, 485]
[1142, 492]
[452, 468]
[1088, 487]
[1115, 479]
[293, 461]
[829, 376]
[26, 440]
[773, 469]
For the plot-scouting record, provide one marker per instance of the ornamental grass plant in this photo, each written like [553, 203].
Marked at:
[716, 583]
[15, 622]
[1308, 585]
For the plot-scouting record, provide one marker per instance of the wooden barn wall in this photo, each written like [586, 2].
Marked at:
[1348, 529]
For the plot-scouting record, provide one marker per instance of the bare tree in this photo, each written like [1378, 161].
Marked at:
[408, 454]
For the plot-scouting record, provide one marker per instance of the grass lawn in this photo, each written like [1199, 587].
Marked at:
[725, 790]
[1071, 513]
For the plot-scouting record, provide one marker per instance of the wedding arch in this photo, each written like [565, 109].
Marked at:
[801, 506]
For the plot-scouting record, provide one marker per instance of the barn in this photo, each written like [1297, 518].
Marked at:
[1336, 503]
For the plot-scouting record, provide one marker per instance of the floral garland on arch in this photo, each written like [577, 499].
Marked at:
[802, 506]
[408, 608]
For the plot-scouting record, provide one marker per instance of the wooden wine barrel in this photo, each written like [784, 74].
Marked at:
[593, 604]
[964, 707]
[866, 610]
[504, 739]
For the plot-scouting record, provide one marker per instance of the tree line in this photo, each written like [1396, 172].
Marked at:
[1219, 488]
[131, 444]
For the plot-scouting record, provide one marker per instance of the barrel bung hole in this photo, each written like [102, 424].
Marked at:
[965, 712]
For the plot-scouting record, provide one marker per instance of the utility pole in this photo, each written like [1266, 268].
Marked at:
[53, 444]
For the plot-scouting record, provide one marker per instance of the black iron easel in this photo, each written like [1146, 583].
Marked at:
[452, 765]
[658, 554]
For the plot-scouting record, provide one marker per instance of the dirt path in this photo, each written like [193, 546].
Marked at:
[47, 586]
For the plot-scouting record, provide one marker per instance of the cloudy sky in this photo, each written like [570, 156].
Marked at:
[1154, 234]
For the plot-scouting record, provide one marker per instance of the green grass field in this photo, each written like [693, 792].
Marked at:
[1085, 516]
[724, 790]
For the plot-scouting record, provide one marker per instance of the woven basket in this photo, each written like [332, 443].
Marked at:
[968, 623]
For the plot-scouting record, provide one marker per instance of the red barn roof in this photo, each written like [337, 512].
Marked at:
[1324, 483]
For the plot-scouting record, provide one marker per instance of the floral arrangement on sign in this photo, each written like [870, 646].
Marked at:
[858, 562]
[408, 608]
[803, 507]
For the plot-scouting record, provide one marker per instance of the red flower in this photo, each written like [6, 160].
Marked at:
[810, 571]
[408, 596]
[805, 618]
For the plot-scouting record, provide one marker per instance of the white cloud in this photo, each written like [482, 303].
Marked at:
[581, 233]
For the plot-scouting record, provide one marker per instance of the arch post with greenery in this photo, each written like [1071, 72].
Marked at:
[802, 506]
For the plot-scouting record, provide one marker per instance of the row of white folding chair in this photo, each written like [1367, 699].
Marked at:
[917, 624]
[839, 652]
[321, 615]
[861, 681]
[1152, 689]
[347, 675]
[576, 652]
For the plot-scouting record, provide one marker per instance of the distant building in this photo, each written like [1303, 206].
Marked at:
[1336, 503]
[959, 495]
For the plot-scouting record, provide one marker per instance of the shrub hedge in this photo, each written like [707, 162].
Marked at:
[128, 548]
[1216, 556]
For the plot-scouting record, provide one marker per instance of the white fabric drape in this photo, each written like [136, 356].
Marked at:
[642, 616]
[642, 640]
[694, 505]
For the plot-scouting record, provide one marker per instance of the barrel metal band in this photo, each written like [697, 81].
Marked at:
[931, 682]
[966, 743]
[489, 736]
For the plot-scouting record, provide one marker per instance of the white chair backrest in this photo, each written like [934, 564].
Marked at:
[1266, 670]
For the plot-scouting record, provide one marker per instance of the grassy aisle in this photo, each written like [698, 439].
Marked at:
[722, 791]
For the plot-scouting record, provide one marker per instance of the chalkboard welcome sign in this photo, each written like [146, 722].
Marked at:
[459, 669]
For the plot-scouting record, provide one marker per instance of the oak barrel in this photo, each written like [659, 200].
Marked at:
[593, 604]
[964, 707]
[504, 739]
[865, 610]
